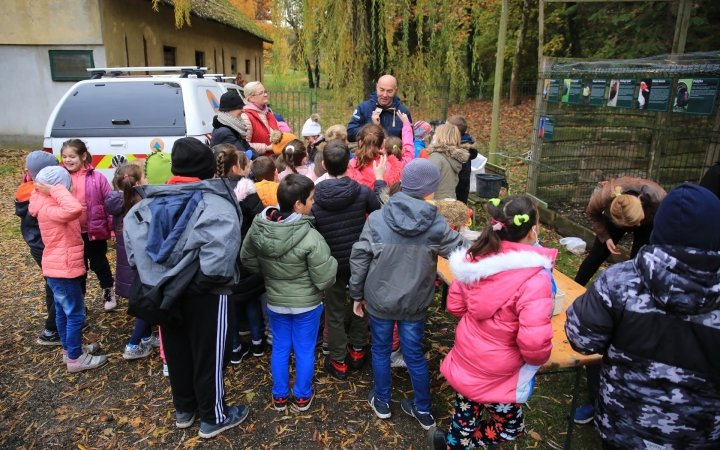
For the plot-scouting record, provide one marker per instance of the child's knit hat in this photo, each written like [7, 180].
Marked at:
[420, 178]
[53, 175]
[38, 160]
[421, 129]
[312, 126]
[192, 158]
[688, 217]
[280, 140]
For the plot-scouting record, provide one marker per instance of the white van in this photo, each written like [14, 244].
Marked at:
[124, 118]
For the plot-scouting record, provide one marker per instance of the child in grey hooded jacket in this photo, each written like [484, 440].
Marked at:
[393, 271]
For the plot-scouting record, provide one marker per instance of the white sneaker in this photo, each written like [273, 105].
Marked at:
[86, 361]
[90, 349]
[153, 341]
[397, 359]
[137, 351]
[166, 372]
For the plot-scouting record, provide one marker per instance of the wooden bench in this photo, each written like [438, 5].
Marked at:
[563, 356]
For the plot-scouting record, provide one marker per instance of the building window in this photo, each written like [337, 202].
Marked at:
[233, 65]
[200, 59]
[247, 66]
[70, 65]
[169, 55]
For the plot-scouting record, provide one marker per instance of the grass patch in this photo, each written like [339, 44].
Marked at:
[7, 170]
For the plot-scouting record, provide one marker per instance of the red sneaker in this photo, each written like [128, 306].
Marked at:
[280, 403]
[357, 359]
[303, 404]
[336, 369]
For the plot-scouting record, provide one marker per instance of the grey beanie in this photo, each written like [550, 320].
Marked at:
[54, 175]
[38, 160]
[420, 178]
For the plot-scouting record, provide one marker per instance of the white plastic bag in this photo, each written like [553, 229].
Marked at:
[477, 165]
[574, 245]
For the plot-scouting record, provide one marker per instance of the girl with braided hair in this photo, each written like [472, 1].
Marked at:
[502, 294]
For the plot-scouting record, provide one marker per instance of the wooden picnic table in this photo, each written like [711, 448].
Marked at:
[562, 356]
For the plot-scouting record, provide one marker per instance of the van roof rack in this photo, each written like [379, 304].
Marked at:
[216, 76]
[99, 72]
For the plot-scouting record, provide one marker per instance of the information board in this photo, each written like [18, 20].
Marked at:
[695, 95]
[554, 89]
[622, 93]
[546, 128]
[593, 91]
[572, 90]
[655, 94]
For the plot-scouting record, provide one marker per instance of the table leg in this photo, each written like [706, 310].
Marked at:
[443, 296]
[573, 404]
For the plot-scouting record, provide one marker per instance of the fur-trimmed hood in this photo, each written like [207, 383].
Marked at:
[460, 153]
[512, 256]
[244, 188]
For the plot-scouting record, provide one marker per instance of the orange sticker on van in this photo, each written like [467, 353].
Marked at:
[213, 100]
[157, 145]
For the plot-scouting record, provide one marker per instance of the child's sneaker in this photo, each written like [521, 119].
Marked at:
[336, 369]
[109, 297]
[280, 403]
[585, 413]
[240, 353]
[257, 350]
[357, 358]
[90, 349]
[166, 372]
[303, 403]
[49, 338]
[268, 336]
[235, 416]
[426, 419]
[86, 361]
[397, 359]
[382, 409]
[137, 351]
[325, 349]
[153, 341]
[184, 419]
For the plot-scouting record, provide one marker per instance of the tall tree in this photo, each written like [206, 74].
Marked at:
[515, 76]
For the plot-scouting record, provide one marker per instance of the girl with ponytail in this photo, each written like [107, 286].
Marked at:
[623, 205]
[371, 141]
[294, 155]
[118, 203]
[503, 296]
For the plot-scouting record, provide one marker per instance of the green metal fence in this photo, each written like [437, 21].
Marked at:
[294, 106]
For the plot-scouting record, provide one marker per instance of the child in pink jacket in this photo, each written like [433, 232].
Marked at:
[503, 296]
[57, 213]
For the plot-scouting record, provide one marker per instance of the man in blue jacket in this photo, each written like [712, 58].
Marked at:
[381, 109]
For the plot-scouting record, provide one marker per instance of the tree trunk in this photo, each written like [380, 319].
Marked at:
[317, 72]
[515, 77]
[573, 32]
[311, 80]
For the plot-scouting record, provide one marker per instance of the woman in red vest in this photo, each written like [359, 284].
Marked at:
[258, 118]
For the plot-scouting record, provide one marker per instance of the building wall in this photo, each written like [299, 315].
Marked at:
[50, 22]
[27, 93]
[127, 22]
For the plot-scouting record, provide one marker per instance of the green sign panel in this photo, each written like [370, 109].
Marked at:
[695, 96]
[571, 90]
[553, 90]
[546, 128]
[622, 93]
[593, 92]
[654, 94]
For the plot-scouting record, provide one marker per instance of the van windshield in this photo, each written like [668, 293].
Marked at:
[143, 108]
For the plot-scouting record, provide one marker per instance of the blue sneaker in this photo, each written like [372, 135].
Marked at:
[585, 413]
[235, 416]
[426, 420]
[381, 408]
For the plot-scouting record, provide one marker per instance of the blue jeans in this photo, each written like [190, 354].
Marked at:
[411, 334]
[296, 332]
[251, 313]
[69, 313]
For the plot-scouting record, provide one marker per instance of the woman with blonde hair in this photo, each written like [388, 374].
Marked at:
[623, 205]
[448, 155]
[258, 118]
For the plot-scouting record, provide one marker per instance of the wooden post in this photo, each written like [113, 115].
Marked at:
[499, 63]
[541, 32]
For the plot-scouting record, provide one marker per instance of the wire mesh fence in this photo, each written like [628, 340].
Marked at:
[655, 118]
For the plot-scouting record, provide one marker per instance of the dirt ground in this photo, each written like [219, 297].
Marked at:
[127, 404]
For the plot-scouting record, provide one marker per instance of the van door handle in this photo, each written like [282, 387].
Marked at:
[122, 143]
[120, 121]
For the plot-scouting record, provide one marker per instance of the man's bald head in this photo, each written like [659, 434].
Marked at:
[386, 89]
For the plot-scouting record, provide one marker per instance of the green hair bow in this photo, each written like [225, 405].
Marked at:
[518, 217]
[495, 201]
